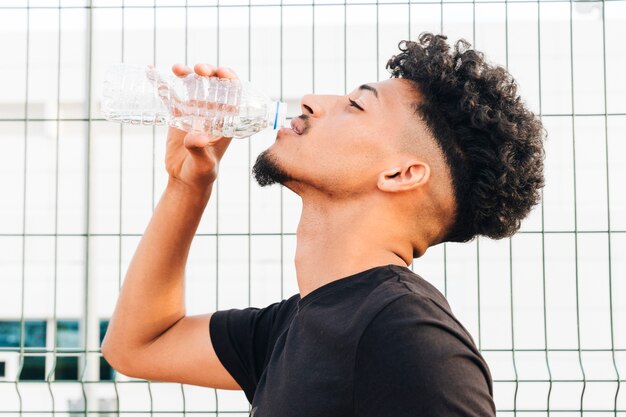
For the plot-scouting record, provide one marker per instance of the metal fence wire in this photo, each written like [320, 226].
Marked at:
[546, 307]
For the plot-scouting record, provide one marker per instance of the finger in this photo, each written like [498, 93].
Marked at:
[221, 145]
[226, 72]
[204, 70]
[181, 70]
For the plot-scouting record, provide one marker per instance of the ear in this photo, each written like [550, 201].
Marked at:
[405, 177]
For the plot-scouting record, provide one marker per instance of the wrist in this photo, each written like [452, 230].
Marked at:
[188, 193]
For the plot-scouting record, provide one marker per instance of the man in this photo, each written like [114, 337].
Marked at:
[444, 150]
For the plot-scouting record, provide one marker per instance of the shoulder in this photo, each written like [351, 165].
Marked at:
[406, 281]
[415, 320]
[414, 330]
[414, 354]
[413, 312]
[407, 295]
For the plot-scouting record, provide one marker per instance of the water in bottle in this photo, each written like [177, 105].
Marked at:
[218, 106]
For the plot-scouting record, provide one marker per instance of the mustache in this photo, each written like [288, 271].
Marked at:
[306, 122]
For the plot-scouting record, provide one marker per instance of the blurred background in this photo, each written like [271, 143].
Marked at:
[547, 308]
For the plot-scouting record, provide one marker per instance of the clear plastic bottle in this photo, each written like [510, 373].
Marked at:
[218, 106]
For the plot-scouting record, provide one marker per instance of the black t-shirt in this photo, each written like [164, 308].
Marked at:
[379, 343]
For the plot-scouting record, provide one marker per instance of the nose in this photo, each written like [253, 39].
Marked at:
[309, 105]
[315, 105]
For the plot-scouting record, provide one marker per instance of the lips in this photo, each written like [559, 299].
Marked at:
[297, 125]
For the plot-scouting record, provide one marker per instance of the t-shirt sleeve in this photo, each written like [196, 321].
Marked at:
[415, 360]
[243, 340]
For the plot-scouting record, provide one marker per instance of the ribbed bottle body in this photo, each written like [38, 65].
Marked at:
[217, 106]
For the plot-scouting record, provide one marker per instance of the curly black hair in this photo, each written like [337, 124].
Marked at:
[492, 143]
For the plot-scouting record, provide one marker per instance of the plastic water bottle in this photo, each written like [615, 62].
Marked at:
[218, 106]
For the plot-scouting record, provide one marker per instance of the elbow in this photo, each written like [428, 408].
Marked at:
[124, 358]
[108, 348]
[113, 353]
[109, 353]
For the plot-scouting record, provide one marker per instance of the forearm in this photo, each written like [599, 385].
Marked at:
[152, 296]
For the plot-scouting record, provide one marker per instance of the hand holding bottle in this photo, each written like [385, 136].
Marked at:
[192, 159]
[212, 103]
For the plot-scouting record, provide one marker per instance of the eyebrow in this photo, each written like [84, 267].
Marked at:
[369, 88]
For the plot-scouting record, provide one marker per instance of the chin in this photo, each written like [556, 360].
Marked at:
[268, 169]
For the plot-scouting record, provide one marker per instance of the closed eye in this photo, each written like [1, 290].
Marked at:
[354, 104]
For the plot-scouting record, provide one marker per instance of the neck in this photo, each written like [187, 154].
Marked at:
[338, 239]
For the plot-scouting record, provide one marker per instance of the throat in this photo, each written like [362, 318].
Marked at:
[337, 239]
[319, 262]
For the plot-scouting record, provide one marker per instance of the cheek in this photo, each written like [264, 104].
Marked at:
[337, 151]
[363, 147]
[349, 166]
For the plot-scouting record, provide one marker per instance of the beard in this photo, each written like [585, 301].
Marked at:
[267, 171]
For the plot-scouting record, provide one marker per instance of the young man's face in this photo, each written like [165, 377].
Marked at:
[341, 149]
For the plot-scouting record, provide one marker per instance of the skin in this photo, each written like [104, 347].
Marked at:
[375, 190]
[378, 191]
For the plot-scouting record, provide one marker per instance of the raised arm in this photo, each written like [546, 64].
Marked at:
[149, 335]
